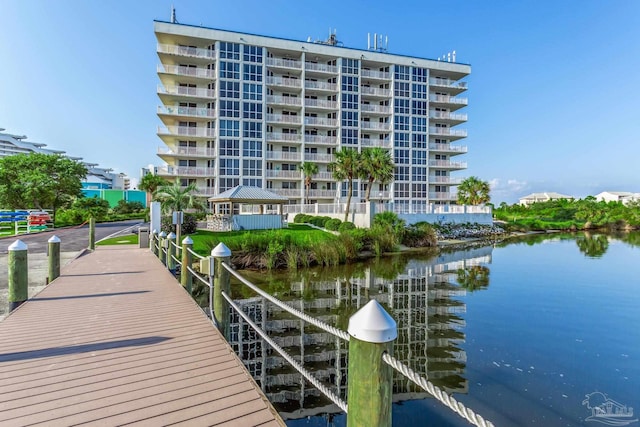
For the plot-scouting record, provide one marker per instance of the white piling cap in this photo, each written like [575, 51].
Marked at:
[162, 234]
[154, 231]
[54, 239]
[373, 324]
[187, 241]
[171, 236]
[18, 245]
[221, 251]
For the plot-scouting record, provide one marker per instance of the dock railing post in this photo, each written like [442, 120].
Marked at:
[221, 282]
[187, 260]
[171, 252]
[370, 379]
[18, 277]
[92, 233]
[54, 258]
[162, 254]
[154, 242]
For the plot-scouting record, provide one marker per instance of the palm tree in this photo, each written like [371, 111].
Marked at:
[376, 165]
[150, 184]
[346, 167]
[174, 197]
[473, 191]
[308, 169]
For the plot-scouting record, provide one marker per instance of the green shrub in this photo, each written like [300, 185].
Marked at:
[333, 224]
[319, 221]
[346, 226]
[301, 218]
[419, 235]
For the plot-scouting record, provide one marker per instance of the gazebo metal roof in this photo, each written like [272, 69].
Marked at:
[249, 195]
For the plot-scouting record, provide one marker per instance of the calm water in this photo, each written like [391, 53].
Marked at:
[520, 333]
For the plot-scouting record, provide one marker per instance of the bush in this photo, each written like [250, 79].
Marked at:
[419, 235]
[333, 224]
[346, 226]
[125, 207]
[189, 224]
[319, 221]
[301, 218]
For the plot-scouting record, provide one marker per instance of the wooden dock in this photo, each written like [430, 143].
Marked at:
[115, 340]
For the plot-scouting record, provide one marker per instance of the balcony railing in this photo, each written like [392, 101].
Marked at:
[187, 91]
[282, 174]
[310, 84]
[445, 115]
[284, 63]
[186, 171]
[193, 52]
[277, 136]
[323, 176]
[284, 100]
[320, 103]
[188, 152]
[446, 99]
[321, 139]
[372, 108]
[320, 121]
[447, 147]
[323, 194]
[283, 81]
[280, 118]
[375, 91]
[444, 180]
[287, 192]
[315, 157]
[206, 191]
[323, 68]
[384, 143]
[434, 81]
[375, 126]
[187, 131]
[186, 111]
[447, 164]
[374, 74]
[447, 132]
[443, 196]
[187, 71]
[283, 155]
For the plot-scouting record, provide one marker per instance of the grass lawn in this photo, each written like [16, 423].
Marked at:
[127, 239]
[302, 235]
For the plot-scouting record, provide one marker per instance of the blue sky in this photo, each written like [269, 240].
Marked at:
[553, 94]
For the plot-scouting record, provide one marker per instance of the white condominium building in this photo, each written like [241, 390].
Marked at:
[243, 109]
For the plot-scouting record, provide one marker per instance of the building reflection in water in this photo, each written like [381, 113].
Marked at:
[423, 295]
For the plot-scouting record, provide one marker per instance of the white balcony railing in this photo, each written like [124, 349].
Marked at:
[310, 84]
[323, 194]
[193, 52]
[187, 152]
[435, 81]
[283, 81]
[277, 136]
[375, 91]
[375, 126]
[283, 155]
[321, 139]
[186, 171]
[447, 164]
[187, 91]
[187, 131]
[187, 71]
[315, 157]
[384, 143]
[284, 63]
[444, 180]
[323, 176]
[284, 100]
[447, 147]
[323, 68]
[320, 121]
[287, 192]
[321, 103]
[282, 174]
[374, 74]
[280, 118]
[372, 108]
[443, 196]
[186, 111]
[445, 115]
[447, 132]
[446, 99]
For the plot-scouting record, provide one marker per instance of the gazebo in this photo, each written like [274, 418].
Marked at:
[230, 214]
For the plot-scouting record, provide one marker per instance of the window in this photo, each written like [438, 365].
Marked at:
[401, 72]
[349, 83]
[419, 173]
[401, 123]
[401, 173]
[401, 189]
[252, 182]
[401, 156]
[252, 54]
[252, 91]
[230, 167]
[419, 190]
[419, 108]
[252, 130]
[401, 89]
[350, 118]
[419, 91]
[229, 108]
[189, 163]
[229, 147]
[419, 158]
[229, 89]
[229, 70]
[419, 140]
[252, 167]
[229, 50]
[401, 139]
[251, 110]
[229, 128]
[401, 106]
[345, 188]
[228, 183]
[420, 74]
[350, 66]
[290, 185]
[349, 136]
[350, 101]
[252, 72]
[251, 148]
[419, 124]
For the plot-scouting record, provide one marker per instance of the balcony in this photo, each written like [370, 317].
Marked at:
[449, 84]
[206, 191]
[320, 104]
[320, 68]
[320, 122]
[376, 126]
[280, 118]
[287, 64]
[287, 192]
[375, 109]
[187, 131]
[186, 111]
[447, 148]
[323, 176]
[286, 137]
[375, 74]
[447, 164]
[446, 116]
[284, 100]
[451, 101]
[180, 70]
[320, 139]
[318, 158]
[448, 132]
[375, 91]
[187, 152]
[181, 91]
[323, 194]
[444, 180]
[283, 155]
[191, 52]
[284, 82]
[443, 196]
[283, 174]
[324, 86]
[186, 171]
[383, 143]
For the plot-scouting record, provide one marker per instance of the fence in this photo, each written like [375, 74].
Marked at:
[22, 222]
[371, 334]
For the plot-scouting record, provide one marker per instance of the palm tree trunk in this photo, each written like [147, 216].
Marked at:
[349, 191]
[369, 185]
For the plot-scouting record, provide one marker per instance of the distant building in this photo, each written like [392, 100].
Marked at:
[16, 144]
[543, 197]
[617, 196]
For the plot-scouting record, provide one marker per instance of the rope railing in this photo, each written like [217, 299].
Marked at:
[177, 260]
[298, 367]
[325, 327]
[441, 396]
[195, 254]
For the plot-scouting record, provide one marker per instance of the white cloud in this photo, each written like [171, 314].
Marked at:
[508, 191]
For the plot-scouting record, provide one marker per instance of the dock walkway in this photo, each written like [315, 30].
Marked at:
[115, 340]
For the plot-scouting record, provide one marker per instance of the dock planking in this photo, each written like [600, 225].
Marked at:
[115, 340]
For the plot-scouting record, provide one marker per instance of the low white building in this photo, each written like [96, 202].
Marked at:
[542, 197]
[617, 196]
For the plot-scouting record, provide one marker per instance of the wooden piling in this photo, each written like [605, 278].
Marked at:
[187, 259]
[221, 283]
[18, 274]
[54, 258]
